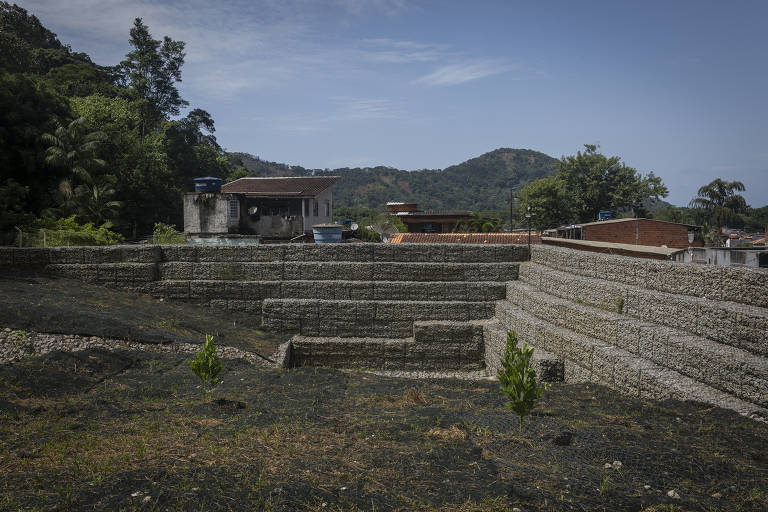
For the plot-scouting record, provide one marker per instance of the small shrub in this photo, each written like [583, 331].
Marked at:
[207, 364]
[518, 379]
[167, 235]
[620, 305]
[67, 231]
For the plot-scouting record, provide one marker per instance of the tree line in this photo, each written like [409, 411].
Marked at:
[97, 144]
[589, 182]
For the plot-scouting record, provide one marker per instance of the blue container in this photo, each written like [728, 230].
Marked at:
[207, 184]
[605, 215]
[327, 233]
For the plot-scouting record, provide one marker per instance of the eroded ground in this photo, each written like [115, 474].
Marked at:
[132, 431]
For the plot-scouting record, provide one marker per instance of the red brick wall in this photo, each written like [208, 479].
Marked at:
[640, 232]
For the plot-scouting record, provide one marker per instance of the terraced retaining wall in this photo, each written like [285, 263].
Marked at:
[654, 329]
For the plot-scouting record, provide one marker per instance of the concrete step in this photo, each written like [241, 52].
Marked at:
[591, 360]
[738, 325]
[732, 284]
[118, 273]
[733, 370]
[340, 271]
[353, 318]
[548, 366]
[395, 354]
[358, 252]
[237, 292]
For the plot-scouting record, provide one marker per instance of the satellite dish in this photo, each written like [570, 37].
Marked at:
[354, 226]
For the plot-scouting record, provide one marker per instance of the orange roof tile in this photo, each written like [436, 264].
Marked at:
[464, 238]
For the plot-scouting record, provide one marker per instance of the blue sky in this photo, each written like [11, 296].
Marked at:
[679, 88]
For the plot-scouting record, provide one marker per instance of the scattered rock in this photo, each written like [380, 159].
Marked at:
[717, 495]
[673, 494]
[646, 487]
[563, 438]
[615, 465]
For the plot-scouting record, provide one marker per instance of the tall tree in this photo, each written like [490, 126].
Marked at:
[550, 203]
[720, 199]
[597, 182]
[152, 69]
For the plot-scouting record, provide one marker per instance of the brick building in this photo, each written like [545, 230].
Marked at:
[650, 232]
[427, 221]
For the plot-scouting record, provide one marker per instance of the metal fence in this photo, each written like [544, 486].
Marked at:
[51, 238]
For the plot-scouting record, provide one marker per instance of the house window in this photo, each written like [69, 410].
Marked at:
[234, 209]
[315, 208]
[327, 209]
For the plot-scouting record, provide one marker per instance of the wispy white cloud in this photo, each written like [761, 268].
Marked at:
[347, 110]
[453, 74]
[397, 51]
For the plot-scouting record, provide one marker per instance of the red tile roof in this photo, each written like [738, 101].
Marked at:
[464, 238]
[299, 186]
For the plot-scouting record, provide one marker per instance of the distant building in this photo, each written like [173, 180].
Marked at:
[279, 208]
[427, 221]
[640, 231]
[749, 256]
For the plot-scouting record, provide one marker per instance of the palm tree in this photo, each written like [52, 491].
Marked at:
[73, 147]
[95, 201]
[720, 199]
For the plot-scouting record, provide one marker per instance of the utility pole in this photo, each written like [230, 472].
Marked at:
[511, 208]
[528, 215]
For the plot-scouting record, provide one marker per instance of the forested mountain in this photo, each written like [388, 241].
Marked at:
[479, 184]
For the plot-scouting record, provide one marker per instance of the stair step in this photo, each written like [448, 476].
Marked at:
[731, 284]
[359, 252]
[337, 271]
[727, 368]
[397, 354]
[730, 323]
[350, 318]
[591, 360]
[256, 291]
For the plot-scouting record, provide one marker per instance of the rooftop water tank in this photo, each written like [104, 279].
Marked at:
[207, 184]
[327, 233]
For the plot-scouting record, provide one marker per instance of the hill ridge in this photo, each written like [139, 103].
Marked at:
[481, 183]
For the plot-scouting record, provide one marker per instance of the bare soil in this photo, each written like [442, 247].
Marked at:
[118, 430]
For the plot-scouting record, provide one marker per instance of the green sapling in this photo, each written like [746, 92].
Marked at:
[207, 364]
[518, 379]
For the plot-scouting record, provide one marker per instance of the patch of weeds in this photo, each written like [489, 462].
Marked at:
[619, 305]
[605, 485]
[414, 396]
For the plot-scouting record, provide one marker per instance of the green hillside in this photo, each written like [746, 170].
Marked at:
[479, 184]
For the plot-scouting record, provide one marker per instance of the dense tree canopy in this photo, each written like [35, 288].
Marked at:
[585, 184]
[93, 141]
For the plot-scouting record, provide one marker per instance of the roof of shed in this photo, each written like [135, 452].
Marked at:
[297, 186]
[616, 221]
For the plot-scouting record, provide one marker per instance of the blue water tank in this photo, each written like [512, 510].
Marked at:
[605, 215]
[207, 184]
[327, 233]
